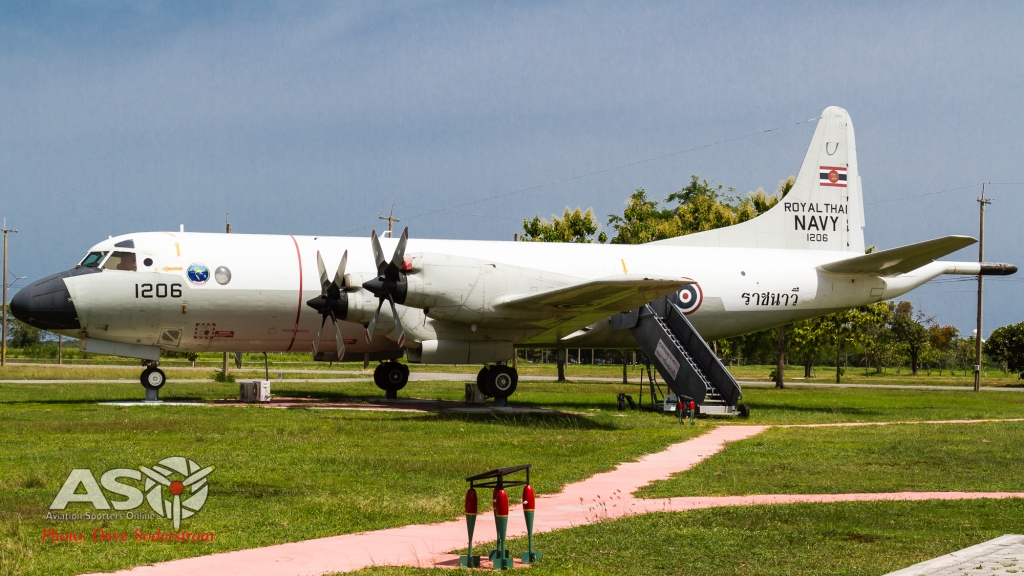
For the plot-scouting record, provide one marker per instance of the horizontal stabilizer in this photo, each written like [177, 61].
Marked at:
[611, 294]
[896, 261]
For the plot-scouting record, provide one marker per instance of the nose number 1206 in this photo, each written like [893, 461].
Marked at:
[158, 291]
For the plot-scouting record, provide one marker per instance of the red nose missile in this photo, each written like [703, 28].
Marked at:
[499, 501]
[529, 502]
[471, 506]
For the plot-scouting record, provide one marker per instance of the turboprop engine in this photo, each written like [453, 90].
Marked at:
[471, 290]
[449, 288]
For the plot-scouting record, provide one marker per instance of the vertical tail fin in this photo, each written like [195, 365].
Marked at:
[823, 211]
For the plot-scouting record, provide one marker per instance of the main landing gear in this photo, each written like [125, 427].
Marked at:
[391, 377]
[153, 379]
[498, 382]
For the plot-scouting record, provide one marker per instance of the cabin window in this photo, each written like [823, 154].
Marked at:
[92, 260]
[120, 261]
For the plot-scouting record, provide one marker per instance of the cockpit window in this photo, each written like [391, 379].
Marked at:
[120, 261]
[92, 260]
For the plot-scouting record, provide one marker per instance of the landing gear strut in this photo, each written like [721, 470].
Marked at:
[498, 382]
[153, 379]
[391, 377]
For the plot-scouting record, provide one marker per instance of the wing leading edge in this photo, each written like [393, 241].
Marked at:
[571, 308]
[896, 261]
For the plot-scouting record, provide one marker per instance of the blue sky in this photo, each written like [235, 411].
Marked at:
[313, 118]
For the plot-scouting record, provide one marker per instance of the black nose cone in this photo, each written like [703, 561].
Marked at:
[46, 304]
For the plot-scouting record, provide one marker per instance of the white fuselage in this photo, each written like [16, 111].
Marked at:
[263, 306]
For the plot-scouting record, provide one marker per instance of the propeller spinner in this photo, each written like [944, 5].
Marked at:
[332, 302]
[390, 284]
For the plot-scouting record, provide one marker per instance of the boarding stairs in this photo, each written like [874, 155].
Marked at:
[689, 367]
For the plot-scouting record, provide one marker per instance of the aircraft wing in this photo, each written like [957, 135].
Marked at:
[895, 261]
[570, 308]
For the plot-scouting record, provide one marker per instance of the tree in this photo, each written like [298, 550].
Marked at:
[873, 335]
[942, 339]
[21, 335]
[806, 340]
[1006, 345]
[574, 226]
[965, 353]
[911, 330]
[780, 360]
[642, 221]
[837, 327]
[700, 206]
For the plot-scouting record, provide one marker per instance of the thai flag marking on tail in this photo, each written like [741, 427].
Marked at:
[832, 176]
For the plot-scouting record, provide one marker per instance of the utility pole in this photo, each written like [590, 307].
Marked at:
[982, 201]
[3, 331]
[227, 230]
[390, 218]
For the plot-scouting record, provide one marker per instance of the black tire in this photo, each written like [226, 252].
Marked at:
[391, 376]
[153, 378]
[743, 410]
[502, 380]
[482, 378]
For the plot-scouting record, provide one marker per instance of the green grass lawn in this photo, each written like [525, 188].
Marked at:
[855, 539]
[913, 457]
[287, 475]
[116, 368]
[281, 475]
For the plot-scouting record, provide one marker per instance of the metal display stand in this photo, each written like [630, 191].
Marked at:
[497, 481]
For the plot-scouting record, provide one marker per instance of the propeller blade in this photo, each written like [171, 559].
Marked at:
[399, 257]
[339, 276]
[399, 330]
[338, 338]
[371, 329]
[318, 334]
[324, 281]
[378, 253]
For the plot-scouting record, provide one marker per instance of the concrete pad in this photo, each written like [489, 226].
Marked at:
[1003, 555]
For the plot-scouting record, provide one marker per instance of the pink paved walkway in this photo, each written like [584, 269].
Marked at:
[603, 496]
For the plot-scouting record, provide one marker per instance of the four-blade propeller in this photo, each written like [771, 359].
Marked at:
[390, 284]
[332, 302]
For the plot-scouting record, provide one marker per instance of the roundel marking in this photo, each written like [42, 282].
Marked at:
[198, 274]
[690, 298]
[833, 176]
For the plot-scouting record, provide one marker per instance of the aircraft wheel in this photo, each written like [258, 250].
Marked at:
[391, 376]
[502, 380]
[153, 378]
[743, 410]
[482, 378]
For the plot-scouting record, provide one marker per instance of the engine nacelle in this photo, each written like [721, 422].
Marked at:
[465, 290]
[461, 352]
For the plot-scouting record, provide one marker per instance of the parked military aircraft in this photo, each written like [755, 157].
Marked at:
[474, 302]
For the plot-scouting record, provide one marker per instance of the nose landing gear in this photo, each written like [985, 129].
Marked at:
[153, 379]
[391, 377]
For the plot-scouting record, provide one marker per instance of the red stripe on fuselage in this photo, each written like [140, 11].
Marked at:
[298, 313]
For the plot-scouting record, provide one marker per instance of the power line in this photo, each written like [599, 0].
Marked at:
[596, 172]
[944, 191]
